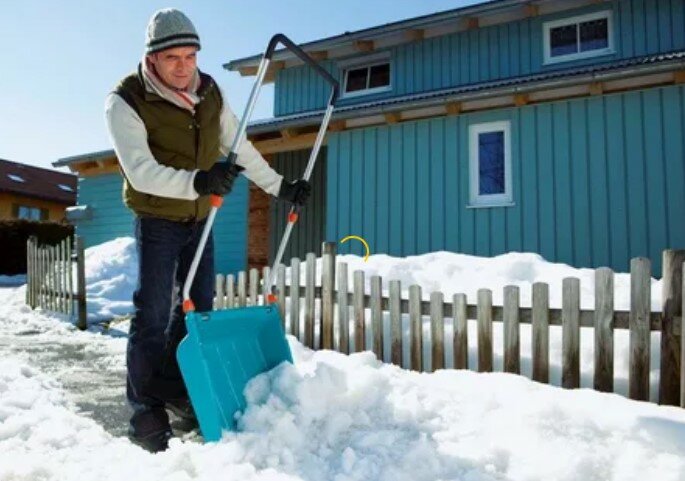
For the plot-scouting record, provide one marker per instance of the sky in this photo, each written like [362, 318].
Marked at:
[61, 59]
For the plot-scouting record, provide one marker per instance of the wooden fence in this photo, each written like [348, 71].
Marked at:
[604, 319]
[50, 278]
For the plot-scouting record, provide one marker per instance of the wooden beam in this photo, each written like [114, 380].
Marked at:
[521, 99]
[336, 126]
[414, 35]
[248, 71]
[596, 88]
[288, 133]
[453, 108]
[364, 45]
[393, 117]
[472, 23]
[319, 54]
[273, 146]
[679, 77]
[532, 10]
[85, 171]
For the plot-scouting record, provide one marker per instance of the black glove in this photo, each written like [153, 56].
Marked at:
[218, 180]
[296, 192]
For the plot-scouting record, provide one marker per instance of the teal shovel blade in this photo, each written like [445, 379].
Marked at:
[223, 350]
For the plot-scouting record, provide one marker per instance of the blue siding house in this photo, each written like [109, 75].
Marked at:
[548, 126]
[543, 126]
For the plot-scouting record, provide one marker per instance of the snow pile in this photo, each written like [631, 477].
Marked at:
[111, 277]
[348, 418]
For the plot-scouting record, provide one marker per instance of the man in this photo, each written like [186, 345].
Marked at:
[169, 124]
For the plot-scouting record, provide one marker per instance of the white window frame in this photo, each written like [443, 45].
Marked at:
[548, 26]
[489, 200]
[365, 62]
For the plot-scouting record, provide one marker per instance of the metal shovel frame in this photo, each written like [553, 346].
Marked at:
[216, 200]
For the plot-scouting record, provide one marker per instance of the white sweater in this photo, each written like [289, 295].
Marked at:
[129, 137]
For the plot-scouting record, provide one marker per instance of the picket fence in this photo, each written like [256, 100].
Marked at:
[50, 278]
[334, 310]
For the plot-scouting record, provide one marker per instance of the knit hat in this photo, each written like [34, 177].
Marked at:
[170, 28]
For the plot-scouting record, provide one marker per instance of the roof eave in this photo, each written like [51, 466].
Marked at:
[383, 30]
[571, 80]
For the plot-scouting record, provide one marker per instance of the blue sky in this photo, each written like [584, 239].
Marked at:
[60, 59]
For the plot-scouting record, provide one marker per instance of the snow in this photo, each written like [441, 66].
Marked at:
[331, 416]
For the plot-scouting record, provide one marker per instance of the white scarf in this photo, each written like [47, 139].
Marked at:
[186, 99]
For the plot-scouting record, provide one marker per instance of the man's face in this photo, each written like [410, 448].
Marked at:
[176, 66]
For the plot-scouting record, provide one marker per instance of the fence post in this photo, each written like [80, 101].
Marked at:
[343, 310]
[396, 322]
[242, 289]
[540, 319]
[461, 339]
[254, 287]
[280, 288]
[266, 272]
[570, 333]
[604, 330]
[416, 328]
[230, 291]
[66, 263]
[359, 313]
[81, 281]
[512, 334]
[70, 280]
[295, 297]
[328, 250]
[310, 300]
[377, 316]
[640, 300]
[437, 331]
[485, 354]
[671, 302]
[29, 273]
[219, 289]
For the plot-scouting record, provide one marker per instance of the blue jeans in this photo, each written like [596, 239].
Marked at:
[165, 252]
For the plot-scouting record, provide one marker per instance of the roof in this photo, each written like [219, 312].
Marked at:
[376, 32]
[508, 86]
[92, 156]
[37, 182]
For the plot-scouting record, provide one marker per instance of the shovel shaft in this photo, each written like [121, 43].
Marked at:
[233, 154]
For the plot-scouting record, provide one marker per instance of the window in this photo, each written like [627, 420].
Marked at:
[371, 76]
[30, 213]
[15, 178]
[490, 164]
[65, 188]
[578, 37]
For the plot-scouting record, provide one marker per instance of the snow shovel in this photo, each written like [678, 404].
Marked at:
[226, 348]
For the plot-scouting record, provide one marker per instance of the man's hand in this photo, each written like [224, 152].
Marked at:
[218, 180]
[296, 192]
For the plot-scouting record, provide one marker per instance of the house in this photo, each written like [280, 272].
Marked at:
[548, 126]
[34, 193]
[543, 126]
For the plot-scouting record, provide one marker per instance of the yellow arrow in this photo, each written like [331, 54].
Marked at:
[359, 239]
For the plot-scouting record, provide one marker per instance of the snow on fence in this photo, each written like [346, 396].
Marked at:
[50, 277]
[639, 320]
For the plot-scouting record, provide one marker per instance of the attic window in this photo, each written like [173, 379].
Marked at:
[367, 78]
[65, 188]
[578, 37]
[15, 178]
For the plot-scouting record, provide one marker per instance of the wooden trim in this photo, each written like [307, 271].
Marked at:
[472, 23]
[273, 146]
[319, 54]
[596, 88]
[364, 45]
[679, 77]
[453, 108]
[521, 99]
[414, 35]
[248, 71]
[393, 117]
[531, 10]
[337, 126]
[288, 133]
